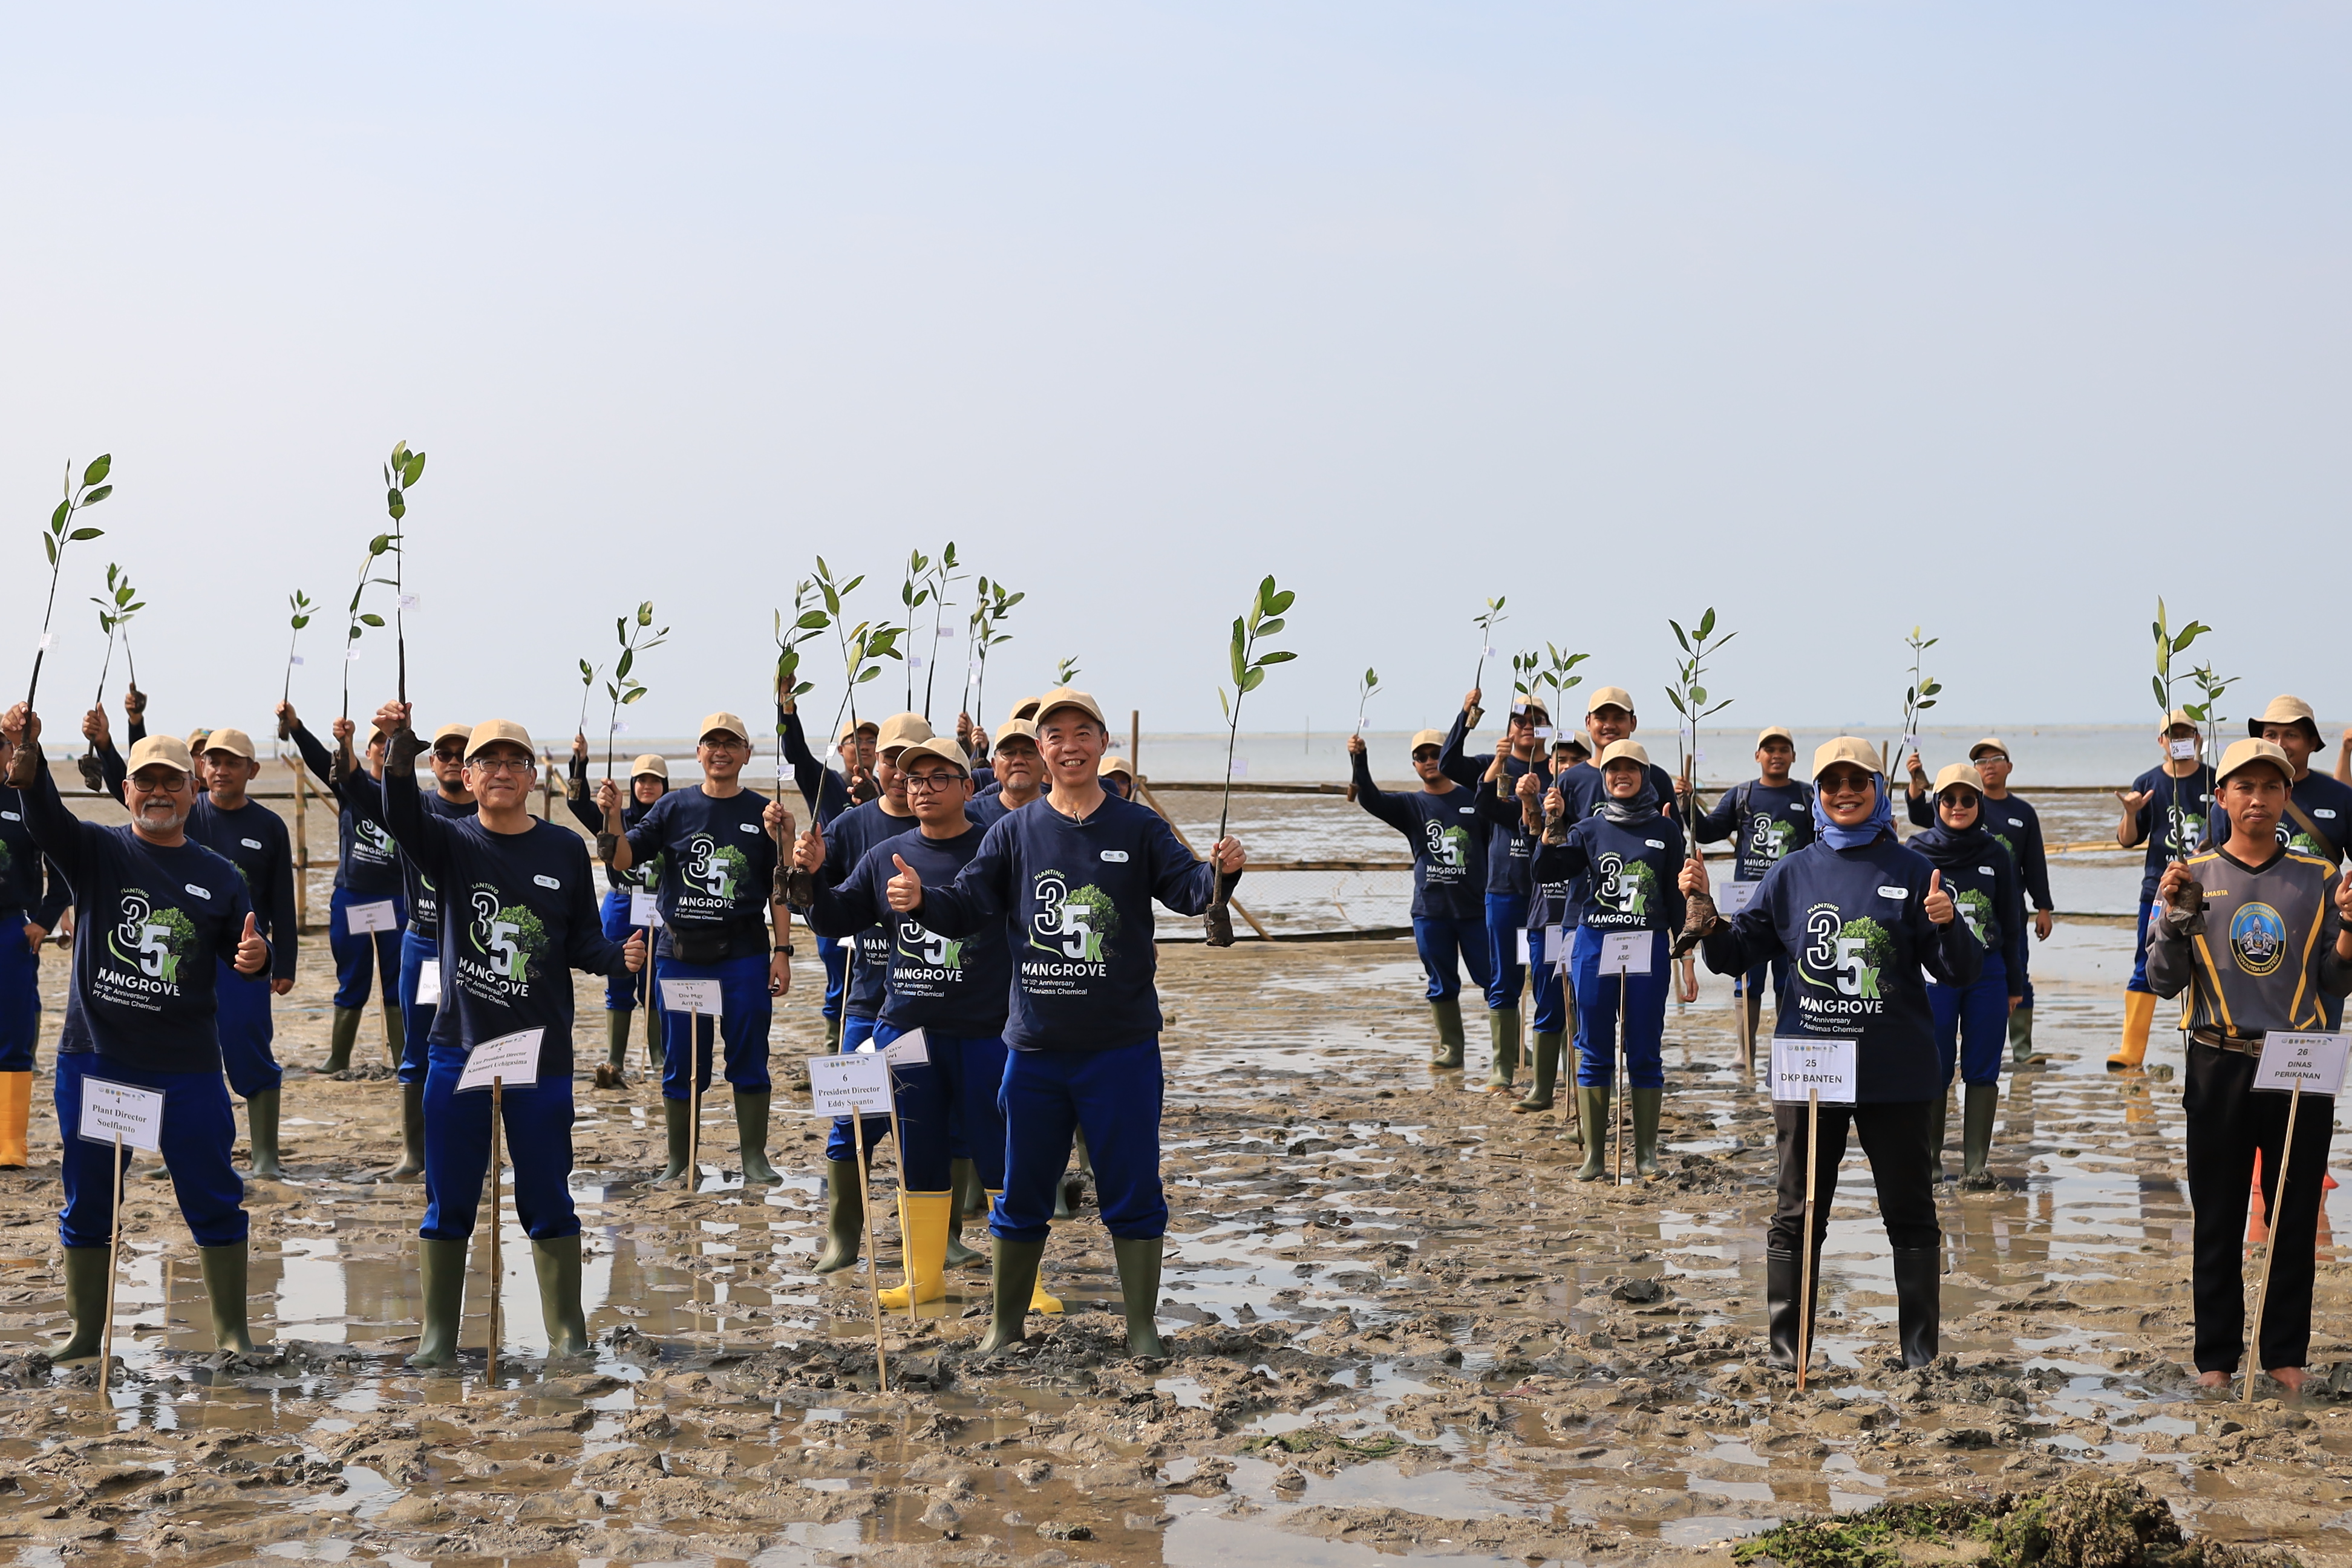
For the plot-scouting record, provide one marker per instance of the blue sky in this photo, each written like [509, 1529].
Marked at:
[1996, 318]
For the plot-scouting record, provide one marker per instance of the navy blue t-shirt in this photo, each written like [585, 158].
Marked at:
[644, 874]
[2153, 821]
[424, 899]
[1630, 872]
[1509, 851]
[718, 860]
[846, 841]
[1764, 822]
[253, 839]
[1448, 836]
[29, 884]
[956, 985]
[367, 861]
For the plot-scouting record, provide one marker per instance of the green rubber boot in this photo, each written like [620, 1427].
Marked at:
[84, 1304]
[1139, 1287]
[2021, 1035]
[844, 1218]
[224, 1271]
[678, 1119]
[557, 1264]
[441, 1279]
[833, 1036]
[395, 1033]
[341, 1035]
[751, 1140]
[1568, 1057]
[261, 1121]
[963, 1176]
[1503, 1030]
[1545, 1079]
[653, 1035]
[1593, 1110]
[1016, 1265]
[1978, 1112]
[616, 1050]
[1647, 1104]
[1447, 1012]
[412, 1135]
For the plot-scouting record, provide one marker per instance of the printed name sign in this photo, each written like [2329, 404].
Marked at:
[368, 918]
[512, 1059]
[109, 1109]
[428, 983]
[1733, 897]
[692, 997]
[1554, 941]
[1799, 1067]
[2314, 1063]
[841, 1085]
[645, 908]
[1625, 952]
[911, 1049]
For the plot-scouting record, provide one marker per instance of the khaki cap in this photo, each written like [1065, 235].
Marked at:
[1016, 729]
[732, 723]
[649, 763]
[943, 747]
[2179, 715]
[1070, 696]
[1775, 732]
[2285, 709]
[902, 729]
[1624, 752]
[1570, 740]
[1852, 748]
[162, 752]
[1113, 764]
[863, 727]
[1608, 697]
[1959, 774]
[2244, 753]
[235, 742]
[453, 733]
[1428, 738]
[1026, 708]
[492, 732]
[1989, 744]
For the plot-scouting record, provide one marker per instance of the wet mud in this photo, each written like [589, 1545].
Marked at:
[1396, 1327]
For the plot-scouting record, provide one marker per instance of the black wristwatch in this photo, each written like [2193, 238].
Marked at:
[786, 950]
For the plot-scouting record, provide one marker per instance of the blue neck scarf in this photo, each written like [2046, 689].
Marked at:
[1949, 846]
[1881, 820]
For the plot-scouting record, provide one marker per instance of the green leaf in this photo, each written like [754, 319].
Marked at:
[379, 544]
[1676, 698]
[645, 614]
[1706, 624]
[371, 620]
[1223, 706]
[354, 636]
[1280, 656]
[58, 518]
[97, 495]
[1678, 633]
[1698, 694]
[631, 695]
[628, 658]
[869, 675]
[301, 621]
[1268, 629]
[86, 533]
[814, 621]
[413, 470]
[99, 467]
[1251, 680]
[2157, 685]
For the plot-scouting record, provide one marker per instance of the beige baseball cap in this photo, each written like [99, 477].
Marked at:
[731, 723]
[1113, 764]
[1070, 696]
[235, 742]
[1959, 774]
[649, 763]
[1427, 738]
[1026, 708]
[1851, 749]
[492, 732]
[162, 752]
[2285, 710]
[902, 729]
[2245, 753]
[863, 727]
[1775, 732]
[2180, 716]
[1016, 729]
[943, 747]
[453, 733]
[1989, 744]
[1608, 697]
[1624, 752]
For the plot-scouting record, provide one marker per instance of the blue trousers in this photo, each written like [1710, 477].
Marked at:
[538, 1122]
[745, 1009]
[1551, 998]
[961, 1082]
[855, 1031]
[1596, 1016]
[1972, 1024]
[1114, 1098]
[354, 981]
[198, 1129]
[2138, 981]
[415, 1017]
[1506, 917]
[246, 1031]
[1445, 948]
[612, 914]
[1742, 985]
[20, 996]
[836, 959]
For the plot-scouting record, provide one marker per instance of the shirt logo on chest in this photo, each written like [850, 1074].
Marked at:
[2257, 938]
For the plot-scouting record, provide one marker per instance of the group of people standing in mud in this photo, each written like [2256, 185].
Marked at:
[982, 906]
[1567, 863]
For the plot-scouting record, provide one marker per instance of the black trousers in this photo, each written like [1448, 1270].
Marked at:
[2227, 1123]
[1895, 1138]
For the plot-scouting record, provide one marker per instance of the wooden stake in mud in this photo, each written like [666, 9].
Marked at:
[113, 1261]
[1624, 1084]
[2270, 1251]
[301, 846]
[692, 1178]
[498, 1271]
[1805, 1285]
[873, 1268]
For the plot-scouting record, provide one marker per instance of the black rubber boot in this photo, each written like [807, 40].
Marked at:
[557, 1264]
[1016, 1264]
[1783, 1280]
[1940, 1129]
[1978, 1110]
[1545, 1074]
[342, 1033]
[223, 1268]
[963, 1176]
[1447, 1014]
[1918, 1301]
[751, 1140]
[261, 1123]
[85, 1272]
[678, 1118]
[441, 1280]
[412, 1135]
[1139, 1287]
[844, 1218]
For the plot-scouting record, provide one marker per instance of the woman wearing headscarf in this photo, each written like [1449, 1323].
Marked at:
[1627, 853]
[1860, 917]
[1972, 1020]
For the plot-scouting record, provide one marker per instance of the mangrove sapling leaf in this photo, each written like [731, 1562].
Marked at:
[400, 472]
[1247, 664]
[914, 591]
[358, 620]
[988, 618]
[299, 602]
[2208, 709]
[806, 623]
[852, 640]
[2169, 643]
[1560, 677]
[635, 635]
[943, 575]
[91, 490]
[1486, 621]
[1364, 689]
[1689, 695]
[1065, 670]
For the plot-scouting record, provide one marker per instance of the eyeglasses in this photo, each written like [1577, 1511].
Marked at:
[927, 784]
[504, 764]
[450, 753]
[178, 785]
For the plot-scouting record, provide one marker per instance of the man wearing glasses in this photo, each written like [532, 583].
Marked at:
[718, 922]
[156, 914]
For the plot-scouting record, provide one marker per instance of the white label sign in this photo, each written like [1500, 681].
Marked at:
[2314, 1061]
[1625, 952]
[911, 1049]
[1733, 897]
[1554, 940]
[692, 997]
[645, 908]
[109, 1107]
[840, 1085]
[513, 1059]
[428, 983]
[364, 918]
[1519, 941]
[1802, 1066]
[2182, 751]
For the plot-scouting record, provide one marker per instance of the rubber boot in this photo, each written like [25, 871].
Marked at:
[615, 1073]
[1503, 1027]
[1569, 1057]
[833, 1036]
[15, 1118]
[845, 1217]
[751, 1139]
[441, 1280]
[85, 1272]
[1593, 1110]
[1447, 1012]
[341, 1035]
[678, 1118]
[923, 1233]
[224, 1271]
[1783, 1280]
[1039, 1302]
[653, 1035]
[412, 1135]
[1647, 1104]
[1547, 1074]
[2139, 1013]
[963, 1178]
[1918, 1301]
[2021, 1035]
[1977, 1111]
[396, 1032]
[1940, 1128]
[1139, 1287]
[1015, 1264]
[557, 1264]
[261, 1122]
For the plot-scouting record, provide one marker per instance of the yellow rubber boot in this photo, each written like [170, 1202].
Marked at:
[16, 1115]
[923, 1235]
[2139, 1012]
[1038, 1300]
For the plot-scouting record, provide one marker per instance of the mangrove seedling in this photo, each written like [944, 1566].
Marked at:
[987, 620]
[625, 688]
[400, 472]
[1689, 694]
[2169, 643]
[60, 533]
[1248, 665]
[115, 608]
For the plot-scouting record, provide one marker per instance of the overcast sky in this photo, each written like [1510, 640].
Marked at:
[1996, 318]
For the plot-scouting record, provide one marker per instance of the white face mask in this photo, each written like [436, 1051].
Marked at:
[2182, 751]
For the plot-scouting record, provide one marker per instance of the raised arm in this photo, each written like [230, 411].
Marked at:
[1370, 796]
[857, 904]
[1451, 762]
[1180, 880]
[981, 893]
[61, 835]
[1721, 820]
[285, 925]
[426, 838]
[587, 949]
[1558, 862]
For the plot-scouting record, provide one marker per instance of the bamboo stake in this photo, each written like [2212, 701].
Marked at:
[1805, 1289]
[2270, 1251]
[498, 1267]
[692, 1177]
[1624, 1085]
[301, 846]
[113, 1262]
[1230, 902]
[873, 1272]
